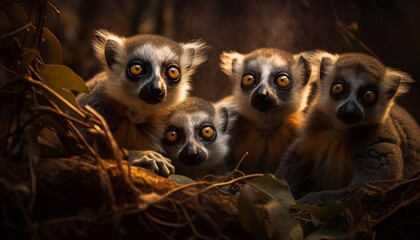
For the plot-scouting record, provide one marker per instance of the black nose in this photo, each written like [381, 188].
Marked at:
[261, 100]
[350, 113]
[262, 95]
[157, 91]
[152, 93]
[190, 156]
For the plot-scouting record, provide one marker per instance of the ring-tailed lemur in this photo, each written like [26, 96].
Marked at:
[143, 77]
[354, 132]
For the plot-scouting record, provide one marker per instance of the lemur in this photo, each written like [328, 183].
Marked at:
[354, 132]
[269, 92]
[143, 77]
[196, 138]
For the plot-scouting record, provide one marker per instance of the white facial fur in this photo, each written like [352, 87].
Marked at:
[190, 125]
[127, 92]
[235, 65]
[373, 114]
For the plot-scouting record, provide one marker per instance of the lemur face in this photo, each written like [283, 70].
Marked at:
[195, 134]
[267, 80]
[357, 88]
[148, 71]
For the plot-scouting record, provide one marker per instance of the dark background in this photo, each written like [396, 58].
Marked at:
[389, 30]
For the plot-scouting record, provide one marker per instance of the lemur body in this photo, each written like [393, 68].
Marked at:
[269, 86]
[354, 132]
[144, 76]
[196, 138]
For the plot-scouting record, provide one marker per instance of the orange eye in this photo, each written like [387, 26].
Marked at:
[173, 73]
[337, 88]
[283, 81]
[369, 96]
[207, 132]
[248, 80]
[136, 69]
[171, 136]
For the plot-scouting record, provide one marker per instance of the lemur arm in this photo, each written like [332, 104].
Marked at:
[379, 161]
[289, 168]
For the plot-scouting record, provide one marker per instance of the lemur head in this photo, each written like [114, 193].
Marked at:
[267, 81]
[147, 72]
[357, 88]
[196, 136]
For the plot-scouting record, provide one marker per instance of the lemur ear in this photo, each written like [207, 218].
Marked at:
[193, 55]
[396, 83]
[106, 46]
[325, 64]
[110, 52]
[231, 63]
[224, 117]
[305, 69]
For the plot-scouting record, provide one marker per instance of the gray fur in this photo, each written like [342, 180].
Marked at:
[383, 147]
[136, 122]
[187, 118]
[264, 123]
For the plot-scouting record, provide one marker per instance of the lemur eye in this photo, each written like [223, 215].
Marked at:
[173, 73]
[135, 69]
[207, 132]
[171, 136]
[369, 96]
[283, 81]
[248, 80]
[337, 88]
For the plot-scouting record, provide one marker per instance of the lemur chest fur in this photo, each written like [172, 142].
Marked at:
[139, 136]
[326, 152]
[265, 146]
[135, 136]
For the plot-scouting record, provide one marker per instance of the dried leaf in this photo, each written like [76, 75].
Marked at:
[180, 179]
[326, 234]
[51, 47]
[28, 56]
[16, 14]
[263, 209]
[329, 212]
[62, 79]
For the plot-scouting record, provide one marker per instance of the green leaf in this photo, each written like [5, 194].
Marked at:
[263, 206]
[16, 14]
[51, 47]
[28, 56]
[326, 234]
[62, 79]
[180, 179]
[329, 212]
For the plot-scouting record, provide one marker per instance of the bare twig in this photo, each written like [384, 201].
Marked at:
[193, 228]
[165, 223]
[63, 115]
[237, 166]
[55, 95]
[16, 31]
[398, 207]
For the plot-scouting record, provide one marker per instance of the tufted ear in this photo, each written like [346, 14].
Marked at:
[231, 63]
[193, 54]
[326, 63]
[305, 69]
[396, 83]
[223, 117]
[106, 46]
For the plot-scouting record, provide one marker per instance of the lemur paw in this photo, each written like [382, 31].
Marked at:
[152, 160]
[321, 198]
